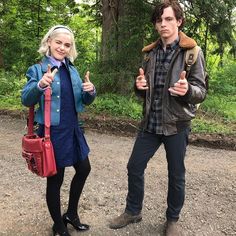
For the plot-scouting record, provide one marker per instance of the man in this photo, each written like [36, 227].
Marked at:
[169, 105]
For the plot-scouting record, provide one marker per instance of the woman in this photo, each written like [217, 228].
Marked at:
[69, 95]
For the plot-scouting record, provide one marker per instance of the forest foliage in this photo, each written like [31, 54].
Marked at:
[109, 37]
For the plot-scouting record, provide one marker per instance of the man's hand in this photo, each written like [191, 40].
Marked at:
[47, 78]
[87, 85]
[141, 82]
[180, 88]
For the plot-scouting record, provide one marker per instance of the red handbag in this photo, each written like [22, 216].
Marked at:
[38, 152]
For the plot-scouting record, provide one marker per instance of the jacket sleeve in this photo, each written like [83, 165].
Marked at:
[196, 81]
[31, 94]
[88, 98]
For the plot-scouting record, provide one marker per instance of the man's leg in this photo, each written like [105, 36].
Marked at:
[144, 148]
[175, 146]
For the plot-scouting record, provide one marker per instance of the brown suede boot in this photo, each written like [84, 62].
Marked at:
[123, 220]
[172, 229]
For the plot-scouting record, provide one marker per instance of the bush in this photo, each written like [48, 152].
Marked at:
[221, 99]
[117, 105]
[223, 81]
[216, 114]
[10, 90]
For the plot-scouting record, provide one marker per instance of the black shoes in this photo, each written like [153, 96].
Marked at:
[57, 232]
[75, 223]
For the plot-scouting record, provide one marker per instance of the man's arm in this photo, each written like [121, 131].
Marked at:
[192, 90]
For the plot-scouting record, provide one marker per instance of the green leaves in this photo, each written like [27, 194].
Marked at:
[24, 23]
[117, 106]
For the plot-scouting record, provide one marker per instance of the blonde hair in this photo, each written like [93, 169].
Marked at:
[52, 33]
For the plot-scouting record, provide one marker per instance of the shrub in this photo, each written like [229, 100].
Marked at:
[117, 105]
[10, 90]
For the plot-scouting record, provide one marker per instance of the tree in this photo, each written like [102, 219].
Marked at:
[122, 40]
[111, 10]
[126, 29]
[211, 21]
[24, 23]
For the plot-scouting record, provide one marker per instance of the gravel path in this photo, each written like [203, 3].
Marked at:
[210, 206]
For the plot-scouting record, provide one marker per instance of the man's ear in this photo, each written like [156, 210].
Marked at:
[179, 22]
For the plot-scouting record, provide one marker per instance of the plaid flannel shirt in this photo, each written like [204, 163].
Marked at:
[163, 59]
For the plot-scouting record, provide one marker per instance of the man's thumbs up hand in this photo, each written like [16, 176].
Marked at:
[180, 88]
[182, 76]
[141, 82]
[141, 71]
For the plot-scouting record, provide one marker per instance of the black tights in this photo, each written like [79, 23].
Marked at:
[54, 183]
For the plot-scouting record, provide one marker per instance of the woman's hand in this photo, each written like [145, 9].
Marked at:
[87, 85]
[47, 78]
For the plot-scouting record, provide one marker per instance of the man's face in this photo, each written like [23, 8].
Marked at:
[167, 25]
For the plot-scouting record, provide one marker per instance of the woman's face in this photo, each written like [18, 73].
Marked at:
[60, 46]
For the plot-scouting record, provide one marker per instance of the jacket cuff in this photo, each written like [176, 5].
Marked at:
[40, 88]
[187, 96]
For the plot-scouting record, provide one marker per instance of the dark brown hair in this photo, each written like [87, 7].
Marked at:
[178, 11]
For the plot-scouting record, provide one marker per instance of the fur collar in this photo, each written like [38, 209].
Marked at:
[184, 42]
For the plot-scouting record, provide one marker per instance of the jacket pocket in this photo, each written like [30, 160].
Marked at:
[180, 110]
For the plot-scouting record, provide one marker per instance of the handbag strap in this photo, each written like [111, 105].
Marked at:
[47, 112]
[47, 115]
[31, 121]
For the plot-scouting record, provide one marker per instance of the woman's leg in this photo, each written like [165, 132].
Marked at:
[82, 170]
[53, 197]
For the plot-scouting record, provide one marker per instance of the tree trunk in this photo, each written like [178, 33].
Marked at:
[109, 28]
[1, 60]
[122, 40]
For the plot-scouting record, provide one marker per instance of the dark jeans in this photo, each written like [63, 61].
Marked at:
[145, 147]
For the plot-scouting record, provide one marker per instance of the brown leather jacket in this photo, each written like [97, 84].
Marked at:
[177, 112]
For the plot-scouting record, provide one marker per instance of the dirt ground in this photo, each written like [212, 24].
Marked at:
[210, 206]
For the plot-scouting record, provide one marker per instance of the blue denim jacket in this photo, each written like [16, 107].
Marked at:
[32, 94]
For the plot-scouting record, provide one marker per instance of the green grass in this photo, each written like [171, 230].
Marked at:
[205, 125]
[213, 116]
[116, 105]
[216, 115]
[224, 106]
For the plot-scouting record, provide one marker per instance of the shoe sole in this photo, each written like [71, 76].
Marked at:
[122, 226]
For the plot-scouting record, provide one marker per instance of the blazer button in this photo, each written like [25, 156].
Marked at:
[58, 110]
